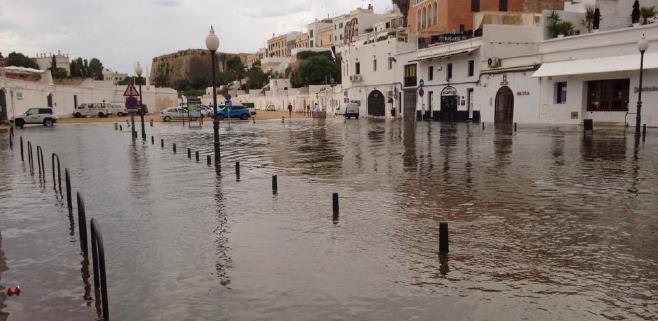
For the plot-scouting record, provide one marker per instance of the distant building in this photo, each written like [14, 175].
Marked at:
[319, 29]
[358, 22]
[45, 60]
[114, 76]
[302, 41]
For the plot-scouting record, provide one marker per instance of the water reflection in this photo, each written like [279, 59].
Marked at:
[224, 261]
[3, 268]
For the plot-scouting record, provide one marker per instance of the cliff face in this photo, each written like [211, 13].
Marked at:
[190, 66]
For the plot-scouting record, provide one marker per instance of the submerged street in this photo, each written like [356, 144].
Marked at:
[546, 223]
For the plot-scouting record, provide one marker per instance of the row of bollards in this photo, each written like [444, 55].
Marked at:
[98, 250]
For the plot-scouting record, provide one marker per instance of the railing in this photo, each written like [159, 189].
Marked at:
[100, 278]
[410, 81]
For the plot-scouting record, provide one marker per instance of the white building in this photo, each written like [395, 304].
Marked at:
[114, 76]
[24, 88]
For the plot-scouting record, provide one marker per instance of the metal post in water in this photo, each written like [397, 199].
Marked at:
[121, 128]
[82, 224]
[237, 170]
[98, 251]
[644, 132]
[196, 154]
[208, 159]
[189, 153]
[67, 178]
[443, 238]
[335, 206]
[161, 143]
[152, 140]
[174, 148]
[30, 157]
[11, 137]
[39, 152]
[514, 127]
[275, 184]
[22, 157]
[57, 182]
[482, 125]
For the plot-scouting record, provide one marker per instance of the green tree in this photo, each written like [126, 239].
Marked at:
[257, 79]
[20, 60]
[95, 69]
[315, 69]
[59, 73]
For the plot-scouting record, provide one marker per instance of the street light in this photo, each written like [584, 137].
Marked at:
[212, 43]
[138, 72]
[642, 45]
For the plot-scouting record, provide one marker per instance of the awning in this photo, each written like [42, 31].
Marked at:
[444, 55]
[597, 65]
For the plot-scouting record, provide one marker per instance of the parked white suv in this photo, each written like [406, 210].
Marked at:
[43, 116]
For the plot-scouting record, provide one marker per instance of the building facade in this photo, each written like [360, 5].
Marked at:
[45, 61]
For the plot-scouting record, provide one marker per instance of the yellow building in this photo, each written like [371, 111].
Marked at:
[277, 46]
[325, 36]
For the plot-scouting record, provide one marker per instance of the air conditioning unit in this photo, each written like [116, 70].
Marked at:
[356, 78]
[493, 62]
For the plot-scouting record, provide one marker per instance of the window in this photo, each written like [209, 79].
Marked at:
[471, 68]
[430, 73]
[475, 5]
[410, 75]
[311, 43]
[502, 5]
[374, 64]
[561, 93]
[357, 68]
[310, 33]
[608, 95]
[449, 71]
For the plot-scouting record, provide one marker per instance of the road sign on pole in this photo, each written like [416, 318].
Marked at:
[131, 91]
[421, 83]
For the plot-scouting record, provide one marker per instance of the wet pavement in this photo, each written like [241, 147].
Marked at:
[545, 223]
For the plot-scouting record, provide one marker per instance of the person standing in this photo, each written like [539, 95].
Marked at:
[289, 110]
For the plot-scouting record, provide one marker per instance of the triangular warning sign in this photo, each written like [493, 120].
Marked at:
[130, 91]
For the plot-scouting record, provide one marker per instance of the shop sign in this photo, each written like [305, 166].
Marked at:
[449, 91]
[504, 82]
[523, 93]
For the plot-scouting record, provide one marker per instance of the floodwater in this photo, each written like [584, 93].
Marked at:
[545, 223]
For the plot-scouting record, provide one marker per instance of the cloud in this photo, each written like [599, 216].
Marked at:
[277, 10]
[167, 3]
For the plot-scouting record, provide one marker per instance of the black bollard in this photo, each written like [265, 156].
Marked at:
[197, 156]
[82, 224]
[22, 157]
[443, 238]
[482, 126]
[68, 189]
[189, 153]
[336, 207]
[275, 185]
[151, 122]
[162, 143]
[208, 159]
[174, 147]
[514, 127]
[120, 127]
[152, 140]
[237, 170]
[644, 132]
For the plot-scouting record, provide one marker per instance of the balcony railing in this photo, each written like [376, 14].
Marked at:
[410, 81]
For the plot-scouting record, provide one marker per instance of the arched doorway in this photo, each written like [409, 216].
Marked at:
[504, 106]
[376, 103]
[3, 105]
[449, 102]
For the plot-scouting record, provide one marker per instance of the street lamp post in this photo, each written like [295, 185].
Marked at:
[643, 45]
[212, 43]
[138, 72]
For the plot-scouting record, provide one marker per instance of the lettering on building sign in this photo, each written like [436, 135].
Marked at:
[645, 89]
[504, 82]
[523, 93]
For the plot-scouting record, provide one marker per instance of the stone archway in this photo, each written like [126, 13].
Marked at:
[3, 105]
[504, 113]
[376, 103]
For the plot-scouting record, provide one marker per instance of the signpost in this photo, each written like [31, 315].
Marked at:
[132, 105]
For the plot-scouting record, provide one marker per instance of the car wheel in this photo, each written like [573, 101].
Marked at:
[244, 117]
[77, 115]
[101, 115]
[220, 117]
[166, 119]
[48, 122]
[120, 114]
[20, 123]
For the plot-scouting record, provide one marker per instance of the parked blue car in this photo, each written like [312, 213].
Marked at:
[241, 112]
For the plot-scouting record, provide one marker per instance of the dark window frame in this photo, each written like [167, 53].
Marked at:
[430, 73]
[357, 68]
[449, 71]
[502, 5]
[561, 92]
[475, 5]
[608, 94]
[471, 68]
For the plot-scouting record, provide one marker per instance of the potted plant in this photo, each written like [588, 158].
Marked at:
[596, 22]
[553, 20]
[646, 13]
[564, 28]
[589, 17]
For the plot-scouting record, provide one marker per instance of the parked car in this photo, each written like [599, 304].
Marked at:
[118, 109]
[92, 109]
[270, 107]
[206, 110]
[251, 107]
[351, 110]
[241, 112]
[43, 116]
[173, 114]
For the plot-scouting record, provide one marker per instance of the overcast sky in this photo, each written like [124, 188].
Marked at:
[121, 32]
